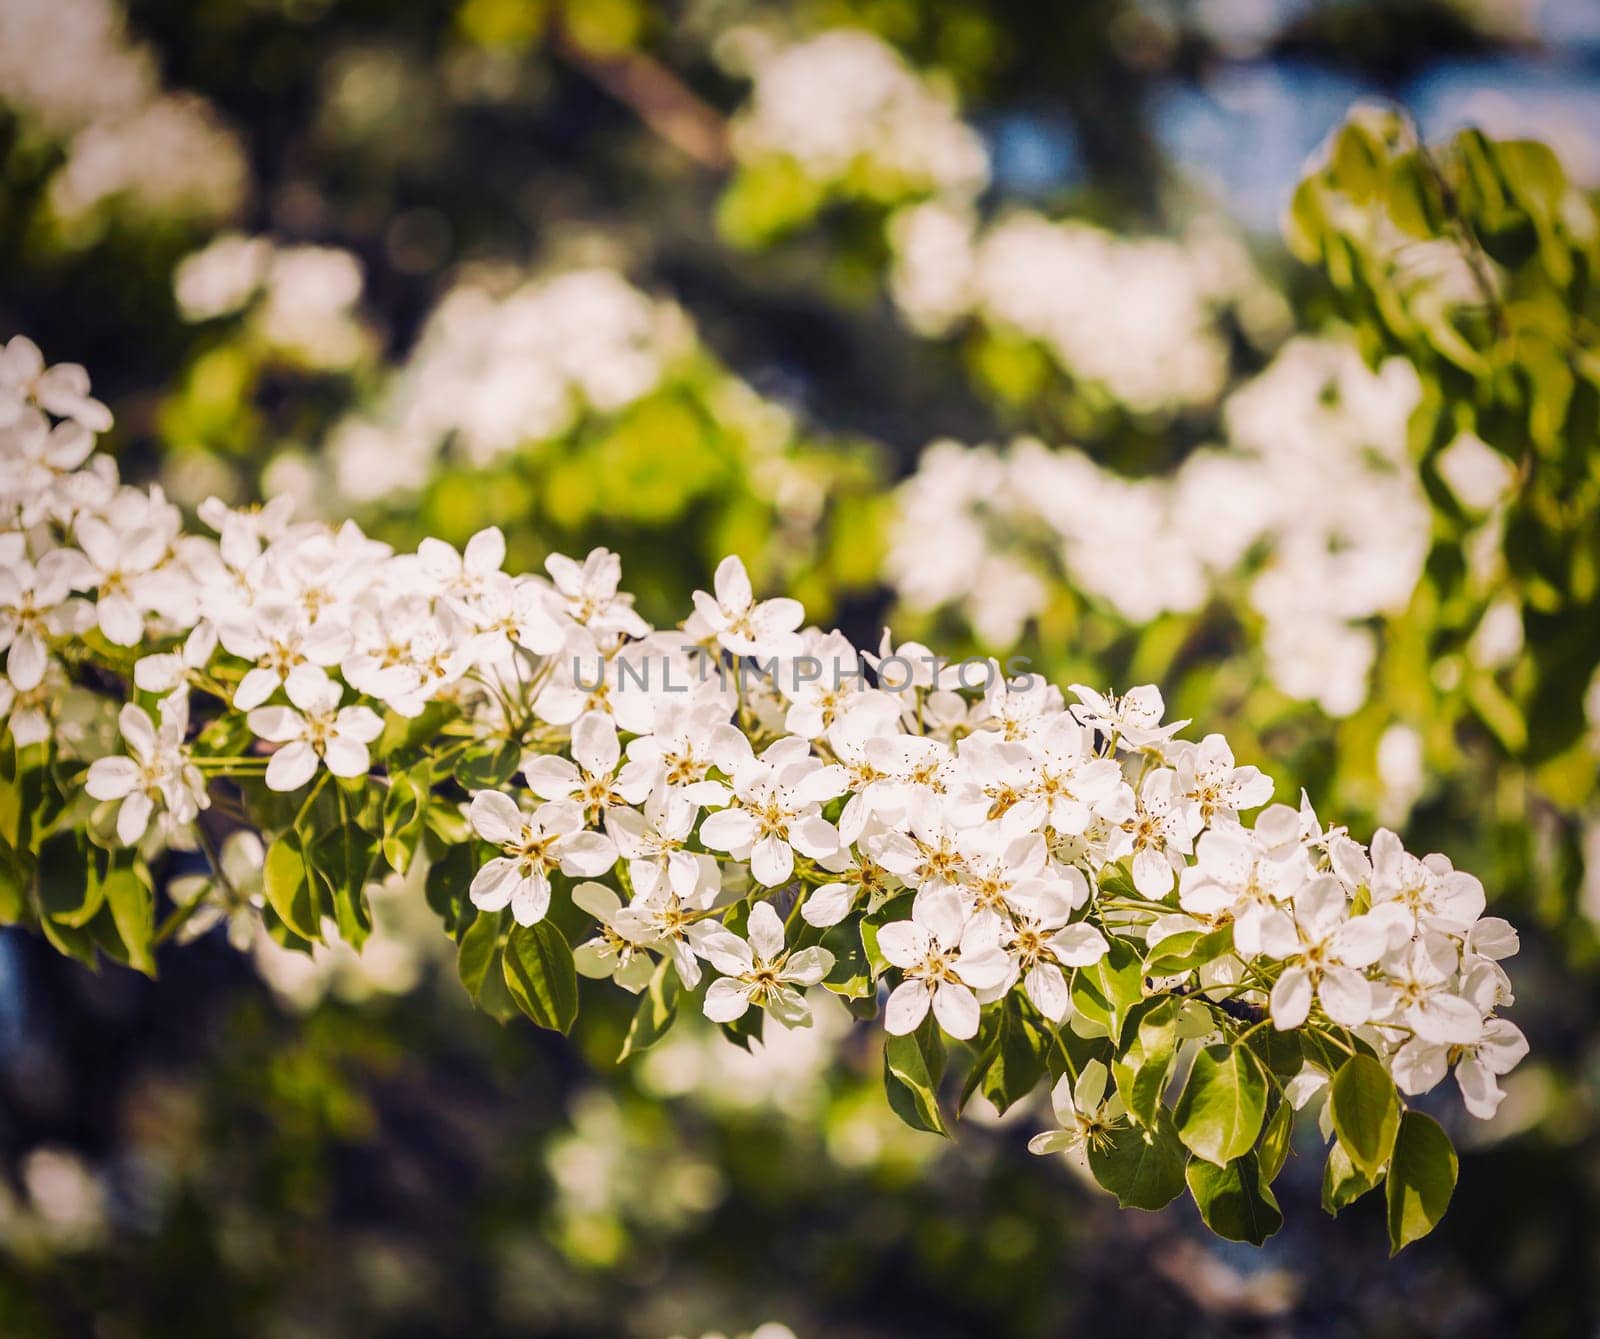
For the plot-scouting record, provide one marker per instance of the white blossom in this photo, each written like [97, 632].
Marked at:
[533, 845]
[315, 730]
[761, 971]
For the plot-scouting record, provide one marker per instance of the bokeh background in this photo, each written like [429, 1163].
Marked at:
[971, 318]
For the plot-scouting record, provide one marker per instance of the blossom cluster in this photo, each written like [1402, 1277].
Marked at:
[846, 110]
[70, 71]
[495, 370]
[743, 802]
[1138, 321]
[1313, 503]
[301, 300]
[1135, 319]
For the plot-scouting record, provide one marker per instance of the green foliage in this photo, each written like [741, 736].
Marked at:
[1366, 1113]
[1141, 1069]
[1223, 1104]
[480, 963]
[1105, 993]
[1342, 1182]
[1502, 328]
[291, 890]
[1143, 1166]
[912, 1067]
[656, 1012]
[1234, 1199]
[1421, 1179]
[539, 973]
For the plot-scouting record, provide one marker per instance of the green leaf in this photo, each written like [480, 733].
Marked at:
[1141, 1070]
[540, 975]
[1142, 1167]
[478, 962]
[131, 900]
[656, 1012]
[1220, 1110]
[289, 887]
[1281, 1053]
[1276, 1142]
[409, 732]
[16, 874]
[1106, 992]
[872, 922]
[1366, 1113]
[447, 823]
[1342, 1181]
[67, 894]
[1021, 1044]
[448, 886]
[341, 860]
[488, 767]
[70, 941]
[1234, 1201]
[912, 1068]
[403, 813]
[1186, 951]
[851, 973]
[1422, 1177]
[1414, 200]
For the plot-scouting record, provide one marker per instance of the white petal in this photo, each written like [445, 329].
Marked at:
[495, 817]
[485, 552]
[594, 743]
[26, 661]
[255, 688]
[530, 899]
[956, 1008]
[111, 778]
[732, 584]
[310, 689]
[903, 943]
[1291, 998]
[586, 854]
[808, 966]
[346, 757]
[771, 862]
[492, 885]
[726, 1000]
[906, 1009]
[599, 901]
[595, 959]
[1152, 874]
[1479, 1089]
[292, 766]
[120, 620]
[1418, 1066]
[941, 912]
[827, 905]
[134, 817]
[765, 931]
[359, 723]
[1361, 941]
[1446, 1020]
[1346, 997]
[728, 830]
[1047, 988]
[1079, 945]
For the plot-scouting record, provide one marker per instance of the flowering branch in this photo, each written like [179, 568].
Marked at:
[1071, 892]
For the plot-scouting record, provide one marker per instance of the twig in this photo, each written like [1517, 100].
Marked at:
[658, 97]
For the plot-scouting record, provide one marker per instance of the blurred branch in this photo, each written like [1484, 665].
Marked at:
[658, 97]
